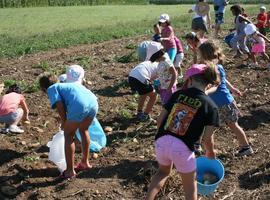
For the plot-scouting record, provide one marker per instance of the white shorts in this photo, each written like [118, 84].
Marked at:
[178, 60]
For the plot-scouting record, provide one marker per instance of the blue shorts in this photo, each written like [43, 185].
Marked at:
[219, 18]
[172, 53]
[11, 117]
[90, 112]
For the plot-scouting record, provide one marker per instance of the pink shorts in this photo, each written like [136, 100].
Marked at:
[171, 150]
[258, 48]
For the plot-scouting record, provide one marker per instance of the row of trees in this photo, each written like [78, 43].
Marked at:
[35, 3]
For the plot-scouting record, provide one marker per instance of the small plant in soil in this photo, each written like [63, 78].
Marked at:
[125, 114]
[25, 87]
[128, 58]
[84, 61]
[45, 66]
[131, 46]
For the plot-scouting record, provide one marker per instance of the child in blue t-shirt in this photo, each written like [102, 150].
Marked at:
[77, 106]
[223, 98]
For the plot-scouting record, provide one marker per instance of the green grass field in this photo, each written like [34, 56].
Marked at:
[29, 30]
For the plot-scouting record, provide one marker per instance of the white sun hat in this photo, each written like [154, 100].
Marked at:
[153, 48]
[250, 29]
[75, 73]
[263, 7]
[164, 18]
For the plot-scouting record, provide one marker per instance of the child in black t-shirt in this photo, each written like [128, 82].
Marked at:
[180, 124]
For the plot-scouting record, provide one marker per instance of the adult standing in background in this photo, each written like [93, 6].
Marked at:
[201, 19]
[219, 7]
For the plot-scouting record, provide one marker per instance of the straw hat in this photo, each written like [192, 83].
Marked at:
[202, 8]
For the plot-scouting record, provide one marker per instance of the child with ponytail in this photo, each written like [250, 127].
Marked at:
[223, 98]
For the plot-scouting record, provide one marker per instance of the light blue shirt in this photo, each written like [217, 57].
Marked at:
[221, 5]
[222, 96]
[76, 98]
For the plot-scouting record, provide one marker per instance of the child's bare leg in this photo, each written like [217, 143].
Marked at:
[158, 181]
[239, 132]
[189, 185]
[152, 99]
[266, 57]
[19, 117]
[141, 101]
[69, 132]
[253, 57]
[85, 141]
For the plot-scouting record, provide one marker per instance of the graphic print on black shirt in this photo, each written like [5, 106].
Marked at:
[181, 115]
[189, 111]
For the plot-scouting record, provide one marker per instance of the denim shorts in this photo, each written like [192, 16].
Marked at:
[11, 117]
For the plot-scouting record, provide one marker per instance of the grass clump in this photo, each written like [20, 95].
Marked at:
[125, 114]
[25, 87]
[130, 57]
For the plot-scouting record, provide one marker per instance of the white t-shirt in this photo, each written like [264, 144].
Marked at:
[145, 71]
[164, 75]
[193, 8]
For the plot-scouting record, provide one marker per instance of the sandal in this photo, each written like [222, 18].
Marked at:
[65, 177]
[81, 167]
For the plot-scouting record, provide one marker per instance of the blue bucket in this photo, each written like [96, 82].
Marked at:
[211, 166]
[228, 38]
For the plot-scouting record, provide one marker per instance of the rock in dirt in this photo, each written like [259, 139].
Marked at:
[108, 129]
[37, 129]
[8, 190]
[44, 155]
[135, 140]
[95, 155]
[23, 143]
[34, 145]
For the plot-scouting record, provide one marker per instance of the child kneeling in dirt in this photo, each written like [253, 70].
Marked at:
[13, 109]
[77, 106]
[180, 124]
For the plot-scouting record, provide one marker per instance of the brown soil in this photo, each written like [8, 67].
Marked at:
[123, 170]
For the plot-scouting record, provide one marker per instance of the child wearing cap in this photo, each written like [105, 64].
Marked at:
[238, 42]
[167, 36]
[74, 74]
[262, 20]
[221, 95]
[180, 124]
[13, 109]
[140, 80]
[77, 106]
[258, 46]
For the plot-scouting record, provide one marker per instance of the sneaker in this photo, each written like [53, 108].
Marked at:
[15, 129]
[146, 118]
[140, 115]
[245, 151]
[4, 130]
[198, 149]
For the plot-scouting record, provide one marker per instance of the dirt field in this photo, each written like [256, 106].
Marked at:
[123, 170]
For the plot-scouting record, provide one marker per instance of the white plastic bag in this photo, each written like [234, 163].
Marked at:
[57, 151]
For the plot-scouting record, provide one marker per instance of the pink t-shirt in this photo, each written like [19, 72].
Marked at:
[179, 46]
[10, 103]
[167, 32]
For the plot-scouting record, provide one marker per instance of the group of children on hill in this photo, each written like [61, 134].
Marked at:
[190, 112]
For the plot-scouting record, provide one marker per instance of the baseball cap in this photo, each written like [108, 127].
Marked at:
[163, 18]
[75, 73]
[250, 29]
[62, 78]
[152, 48]
[263, 7]
[194, 70]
